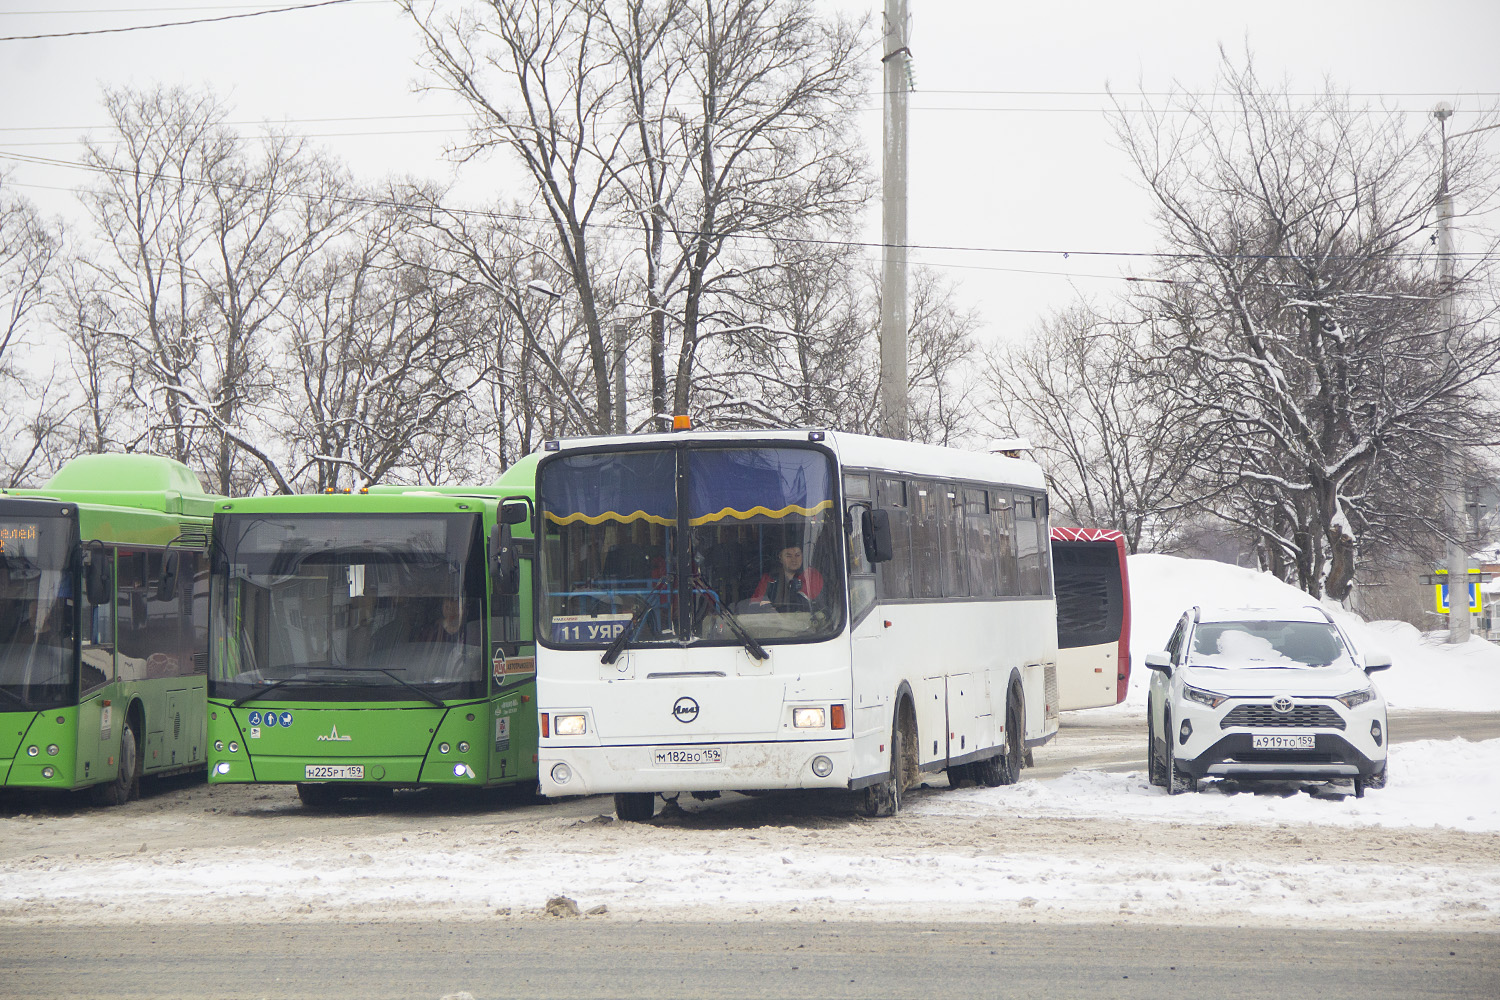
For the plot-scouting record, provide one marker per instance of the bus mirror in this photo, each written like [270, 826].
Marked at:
[98, 582]
[515, 510]
[875, 526]
[505, 576]
[166, 584]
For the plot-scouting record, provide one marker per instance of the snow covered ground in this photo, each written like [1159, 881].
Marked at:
[1087, 845]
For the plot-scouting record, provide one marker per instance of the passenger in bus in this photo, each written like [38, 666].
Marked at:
[792, 587]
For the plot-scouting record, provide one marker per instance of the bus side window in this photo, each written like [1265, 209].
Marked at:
[98, 640]
[979, 540]
[1002, 515]
[1044, 545]
[950, 511]
[895, 576]
[927, 500]
[1028, 548]
[861, 573]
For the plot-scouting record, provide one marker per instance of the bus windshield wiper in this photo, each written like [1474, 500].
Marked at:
[18, 699]
[267, 689]
[732, 620]
[627, 633]
[425, 695]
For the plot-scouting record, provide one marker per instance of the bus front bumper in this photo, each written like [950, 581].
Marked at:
[708, 767]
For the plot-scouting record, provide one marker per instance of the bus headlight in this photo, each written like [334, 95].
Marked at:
[463, 746]
[223, 767]
[463, 771]
[569, 725]
[808, 718]
[32, 751]
[443, 748]
[822, 766]
[48, 772]
[234, 747]
[51, 749]
[562, 773]
[219, 745]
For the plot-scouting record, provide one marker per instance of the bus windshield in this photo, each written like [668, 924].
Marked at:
[329, 607]
[36, 612]
[762, 552]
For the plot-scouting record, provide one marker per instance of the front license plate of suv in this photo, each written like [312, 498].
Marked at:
[1278, 742]
[688, 756]
[335, 772]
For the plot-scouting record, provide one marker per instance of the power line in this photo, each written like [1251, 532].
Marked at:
[544, 222]
[171, 24]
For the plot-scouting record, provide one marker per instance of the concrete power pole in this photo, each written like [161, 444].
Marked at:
[897, 60]
[1458, 553]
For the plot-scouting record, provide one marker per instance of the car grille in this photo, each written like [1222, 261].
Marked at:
[1264, 716]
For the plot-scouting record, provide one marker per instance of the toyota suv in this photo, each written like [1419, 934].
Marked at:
[1259, 694]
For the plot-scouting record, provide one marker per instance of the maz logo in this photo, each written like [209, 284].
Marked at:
[334, 737]
[685, 710]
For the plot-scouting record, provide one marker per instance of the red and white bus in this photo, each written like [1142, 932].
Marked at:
[1093, 616]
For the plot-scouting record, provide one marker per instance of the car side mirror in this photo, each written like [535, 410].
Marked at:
[1160, 661]
[875, 526]
[1377, 659]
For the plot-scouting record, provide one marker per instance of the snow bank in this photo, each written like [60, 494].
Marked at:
[1426, 673]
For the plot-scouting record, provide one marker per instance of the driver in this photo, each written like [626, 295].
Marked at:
[792, 587]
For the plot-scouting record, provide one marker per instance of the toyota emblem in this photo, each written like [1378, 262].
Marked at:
[1282, 704]
[685, 709]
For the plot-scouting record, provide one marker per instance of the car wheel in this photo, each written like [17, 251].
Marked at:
[1178, 780]
[1377, 779]
[1155, 772]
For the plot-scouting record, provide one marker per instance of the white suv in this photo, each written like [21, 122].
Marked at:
[1264, 694]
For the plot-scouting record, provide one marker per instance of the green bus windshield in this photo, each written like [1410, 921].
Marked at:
[37, 584]
[340, 607]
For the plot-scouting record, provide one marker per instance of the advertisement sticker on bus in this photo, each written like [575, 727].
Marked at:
[588, 628]
[105, 725]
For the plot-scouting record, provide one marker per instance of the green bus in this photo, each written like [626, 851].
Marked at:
[103, 626]
[363, 642]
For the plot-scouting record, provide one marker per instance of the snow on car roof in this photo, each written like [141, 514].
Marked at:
[1284, 613]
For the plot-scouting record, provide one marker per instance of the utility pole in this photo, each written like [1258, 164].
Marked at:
[619, 346]
[1458, 553]
[897, 61]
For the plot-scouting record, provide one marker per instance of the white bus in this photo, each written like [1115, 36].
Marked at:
[788, 609]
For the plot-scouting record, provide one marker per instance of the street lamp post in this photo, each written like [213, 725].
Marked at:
[1458, 555]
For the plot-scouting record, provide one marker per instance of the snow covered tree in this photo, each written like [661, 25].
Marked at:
[1299, 322]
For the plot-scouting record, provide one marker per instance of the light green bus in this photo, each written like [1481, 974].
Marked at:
[362, 642]
[103, 626]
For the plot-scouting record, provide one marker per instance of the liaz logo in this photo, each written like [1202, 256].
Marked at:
[334, 737]
[685, 710]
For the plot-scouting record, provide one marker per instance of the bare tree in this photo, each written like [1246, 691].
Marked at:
[708, 128]
[29, 250]
[1300, 320]
[1119, 453]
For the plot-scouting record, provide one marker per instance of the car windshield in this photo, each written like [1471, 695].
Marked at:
[760, 528]
[333, 607]
[1267, 644]
[36, 612]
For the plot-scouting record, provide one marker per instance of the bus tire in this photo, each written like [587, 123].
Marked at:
[317, 795]
[1015, 740]
[884, 797]
[635, 807]
[127, 783]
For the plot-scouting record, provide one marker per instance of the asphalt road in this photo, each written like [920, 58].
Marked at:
[660, 961]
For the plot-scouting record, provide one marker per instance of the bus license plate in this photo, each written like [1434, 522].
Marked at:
[688, 756]
[1269, 742]
[335, 772]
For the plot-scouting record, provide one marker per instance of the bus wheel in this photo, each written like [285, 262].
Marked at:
[635, 807]
[1015, 741]
[317, 795]
[127, 782]
[884, 797]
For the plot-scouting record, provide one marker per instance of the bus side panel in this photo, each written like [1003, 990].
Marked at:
[95, 745]
[1086, 676]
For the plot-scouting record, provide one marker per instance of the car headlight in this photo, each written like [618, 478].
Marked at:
[1210, 698]
[1356, 698]
[569, 725]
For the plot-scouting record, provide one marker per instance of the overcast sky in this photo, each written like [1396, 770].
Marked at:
[1010, 148]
